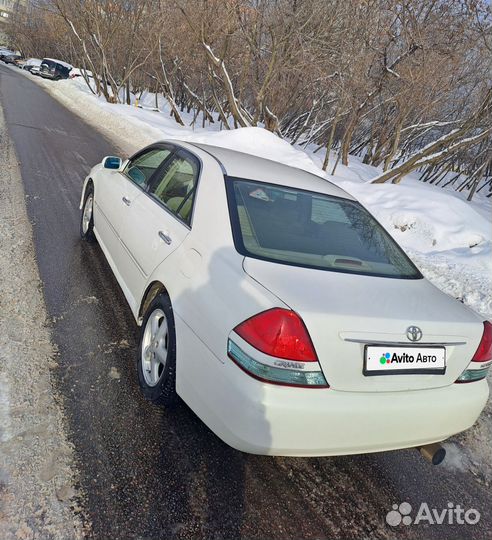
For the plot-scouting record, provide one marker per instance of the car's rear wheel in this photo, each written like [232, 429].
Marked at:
[156, 361]
[87, 216]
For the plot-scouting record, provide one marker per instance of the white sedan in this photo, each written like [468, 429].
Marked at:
[278, 308]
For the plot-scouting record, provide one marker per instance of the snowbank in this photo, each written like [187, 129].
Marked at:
[259, 142]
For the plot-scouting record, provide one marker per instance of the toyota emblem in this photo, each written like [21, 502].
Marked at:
[414, 333]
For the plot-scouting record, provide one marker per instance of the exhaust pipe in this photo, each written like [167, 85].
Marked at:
[434, 453]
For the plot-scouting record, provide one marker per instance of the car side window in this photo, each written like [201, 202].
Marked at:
[175, 186]
[141, 168]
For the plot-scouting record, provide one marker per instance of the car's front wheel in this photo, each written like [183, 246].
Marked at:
[87, 216]
[156, 361]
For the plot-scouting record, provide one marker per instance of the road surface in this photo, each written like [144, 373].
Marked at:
[149, 473]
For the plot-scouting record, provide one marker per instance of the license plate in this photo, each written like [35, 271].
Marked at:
[388, 360]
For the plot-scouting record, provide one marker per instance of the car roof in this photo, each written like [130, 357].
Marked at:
[241, 165]
[61, 62]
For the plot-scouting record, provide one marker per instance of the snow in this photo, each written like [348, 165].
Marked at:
[76, 72]
[259, 142]
[435, 123]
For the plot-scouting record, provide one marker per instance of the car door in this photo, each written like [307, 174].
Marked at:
[116, 191]
[160, 219]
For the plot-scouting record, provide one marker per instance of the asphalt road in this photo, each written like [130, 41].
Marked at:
[148, 473]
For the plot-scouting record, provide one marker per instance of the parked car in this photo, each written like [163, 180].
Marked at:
[5, 52]
[75, 73]
[8, 57]
[278, 308]
[30, 63]
[11, 58]
[54, 69]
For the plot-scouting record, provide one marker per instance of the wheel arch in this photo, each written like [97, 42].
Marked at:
[154, 289]
[87, 182]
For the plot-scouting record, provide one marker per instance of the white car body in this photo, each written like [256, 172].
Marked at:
[213, 288]
[32, 62]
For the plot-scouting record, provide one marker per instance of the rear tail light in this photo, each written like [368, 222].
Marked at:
[277, 349]
[278, 332]
[478, 368]
[484, 351]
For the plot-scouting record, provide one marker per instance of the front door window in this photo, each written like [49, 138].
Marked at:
[142, 167]
[175, 184]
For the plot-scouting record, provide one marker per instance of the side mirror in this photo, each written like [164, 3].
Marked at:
[112, 162]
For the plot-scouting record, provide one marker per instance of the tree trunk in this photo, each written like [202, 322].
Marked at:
[128, 97]
[394, 146]
[478, 175]
[347, 137]
[432, 153]
[234, 107]
[329, 144]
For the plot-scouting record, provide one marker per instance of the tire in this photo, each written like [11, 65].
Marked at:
[156, 360]
[87, 216]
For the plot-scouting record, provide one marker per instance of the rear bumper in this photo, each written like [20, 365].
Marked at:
[327, 422]
[260, 418]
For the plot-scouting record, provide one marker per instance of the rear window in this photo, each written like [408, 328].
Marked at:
[312, 230]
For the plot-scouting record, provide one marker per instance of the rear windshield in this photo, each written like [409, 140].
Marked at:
[312, 230]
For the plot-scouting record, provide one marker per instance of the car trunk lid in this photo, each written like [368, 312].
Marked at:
[345, 313]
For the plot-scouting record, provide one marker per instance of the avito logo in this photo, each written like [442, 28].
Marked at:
[404, 358]
[385, 358]
[432, 516]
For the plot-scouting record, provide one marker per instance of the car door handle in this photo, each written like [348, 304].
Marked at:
[126, 201]
[165, 237]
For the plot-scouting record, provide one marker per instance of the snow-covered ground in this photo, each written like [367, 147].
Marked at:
[448, 238]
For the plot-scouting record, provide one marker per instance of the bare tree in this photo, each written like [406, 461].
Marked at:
[393, 82]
